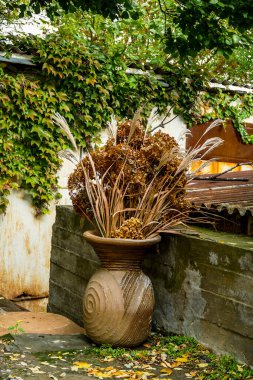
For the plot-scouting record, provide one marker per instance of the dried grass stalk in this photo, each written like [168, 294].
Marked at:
[135, 185]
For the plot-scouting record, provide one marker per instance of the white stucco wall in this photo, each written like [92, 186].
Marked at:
[25, 243]
[174, 126]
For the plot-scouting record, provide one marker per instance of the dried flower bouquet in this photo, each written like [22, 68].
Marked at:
[134, 186]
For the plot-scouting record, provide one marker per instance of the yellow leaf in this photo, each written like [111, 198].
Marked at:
[97, 373]
[168, 371]
[140, 355]
[118, 373]
[182, 359]
[174, 364]
[166, 364]
[202, 365]
[82, 365]
[108, 359]
[110, 369]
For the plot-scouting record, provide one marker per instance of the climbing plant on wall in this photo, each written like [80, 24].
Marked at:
[81, 73]
[29, 141]
[83, 77]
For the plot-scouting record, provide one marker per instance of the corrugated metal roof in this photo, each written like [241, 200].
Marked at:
[234, 192]
[21, 59]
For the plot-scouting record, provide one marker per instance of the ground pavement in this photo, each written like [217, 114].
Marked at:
[43, 346]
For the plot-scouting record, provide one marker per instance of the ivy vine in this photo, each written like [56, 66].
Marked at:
[81, 73]
[85, 81]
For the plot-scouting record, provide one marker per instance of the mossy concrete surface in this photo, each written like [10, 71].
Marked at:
[203, 283]
[45, 356]
[204, 288]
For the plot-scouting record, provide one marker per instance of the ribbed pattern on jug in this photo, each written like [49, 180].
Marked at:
[121, 260]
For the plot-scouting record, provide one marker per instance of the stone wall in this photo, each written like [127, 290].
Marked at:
[204, 288]
[203, 283]
[73, 262]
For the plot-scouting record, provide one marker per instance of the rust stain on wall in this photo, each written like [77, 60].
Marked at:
[25, 244]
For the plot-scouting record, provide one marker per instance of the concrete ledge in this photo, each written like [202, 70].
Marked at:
[203, 284]
[37, 323]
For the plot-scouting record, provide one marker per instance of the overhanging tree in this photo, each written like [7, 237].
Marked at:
[191, 25]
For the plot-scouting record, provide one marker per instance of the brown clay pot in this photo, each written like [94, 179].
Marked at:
[119, 298]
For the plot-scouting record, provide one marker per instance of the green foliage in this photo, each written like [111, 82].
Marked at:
[192, 25]
[16, 328]
[158, 354]
[92, 68]
[222, 105]
[236, 68]
[225, 367]
[9, 11]
[29, 140]
[83, 77]
[111, 8]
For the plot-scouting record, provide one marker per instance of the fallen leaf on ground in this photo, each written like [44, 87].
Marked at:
[108, 359]
[48, 364]
[82, 365]
[52, 377]
[167, 364]
[128, 365]
[174, 364]
[183, 359]
[36, 370]
[202, 365]
[168, 371]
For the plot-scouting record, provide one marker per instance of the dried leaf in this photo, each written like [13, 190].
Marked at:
[108, 359]
[202, 365]
[52, 377]
[36, 369]
[82, 365]
[174, 364]
[168, 371]
[183, 359]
